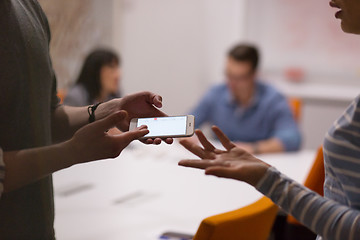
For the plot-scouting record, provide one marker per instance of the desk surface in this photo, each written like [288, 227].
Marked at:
[143, 193]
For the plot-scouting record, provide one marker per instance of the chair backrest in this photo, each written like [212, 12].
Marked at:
[295, 106]
[315, 179]
[253, 222]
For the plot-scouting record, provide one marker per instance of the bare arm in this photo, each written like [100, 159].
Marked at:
[67, 120]
[27, 166]
[90, 143]
[325, 217]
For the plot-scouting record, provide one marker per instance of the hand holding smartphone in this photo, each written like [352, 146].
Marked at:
[166, 127]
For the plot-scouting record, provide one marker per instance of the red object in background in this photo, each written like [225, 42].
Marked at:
[155, 119]
[294, 74]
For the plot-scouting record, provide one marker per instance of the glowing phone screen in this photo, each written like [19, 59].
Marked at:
[164, 126]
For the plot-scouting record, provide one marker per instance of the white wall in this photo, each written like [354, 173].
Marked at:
[306, 35]
[176, 47]
[318, 117]
[77, 27]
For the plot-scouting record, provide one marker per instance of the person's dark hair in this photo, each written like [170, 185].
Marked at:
[90, 73]
[245, 53]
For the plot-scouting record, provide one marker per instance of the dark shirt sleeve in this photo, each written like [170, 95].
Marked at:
[2, 172]
[285, 128]
[55, 101]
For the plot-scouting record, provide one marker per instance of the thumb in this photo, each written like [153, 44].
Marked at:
[127, 137]
[109, 122]
[157, 100]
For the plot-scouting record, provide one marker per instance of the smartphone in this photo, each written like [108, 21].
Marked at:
[166, 127]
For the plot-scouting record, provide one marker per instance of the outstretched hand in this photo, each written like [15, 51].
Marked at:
[233, 162]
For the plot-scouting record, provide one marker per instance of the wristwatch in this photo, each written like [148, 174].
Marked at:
[91, 111]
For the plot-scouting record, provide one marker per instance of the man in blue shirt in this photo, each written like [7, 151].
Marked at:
[253, 114]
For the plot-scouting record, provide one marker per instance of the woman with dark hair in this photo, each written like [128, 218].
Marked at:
[98, 80]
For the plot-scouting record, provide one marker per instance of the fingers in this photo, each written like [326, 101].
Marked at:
[149, 102]
[194, 148]
[151, 141]
[211, 167]
[200, 164]
[157, 101]
[154, 99]
[148, 141]
[133, 135]
[111, 121]
[203, 140]
[166, 140]
[225, 141]
[157, 141]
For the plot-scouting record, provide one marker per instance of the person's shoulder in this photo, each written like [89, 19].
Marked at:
[354, 109]
[218, 92]
[357, 101]
[270, 93]
[272, 99]
[214, 93]
[35, 6]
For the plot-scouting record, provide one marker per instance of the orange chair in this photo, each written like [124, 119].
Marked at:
[295, 106]
[315, 179]
[253, 222]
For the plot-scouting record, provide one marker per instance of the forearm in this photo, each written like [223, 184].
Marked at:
[67, 120]
[325, 217]
[89, 143]
[27, 166]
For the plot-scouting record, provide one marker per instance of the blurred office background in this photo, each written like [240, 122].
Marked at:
[177, 48]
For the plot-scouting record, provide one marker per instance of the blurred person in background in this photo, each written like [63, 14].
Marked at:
[98, 81]
[336, 216]
[251, 113]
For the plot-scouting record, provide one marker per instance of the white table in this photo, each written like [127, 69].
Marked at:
[144, 193]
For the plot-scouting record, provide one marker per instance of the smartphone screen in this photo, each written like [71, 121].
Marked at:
[164, 126]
